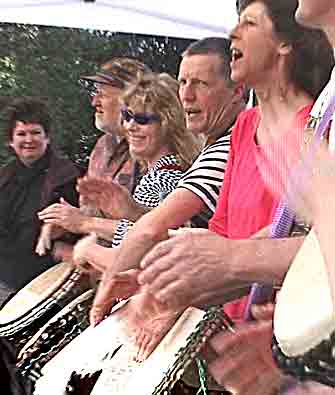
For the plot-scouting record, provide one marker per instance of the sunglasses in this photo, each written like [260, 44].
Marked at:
[139, 118]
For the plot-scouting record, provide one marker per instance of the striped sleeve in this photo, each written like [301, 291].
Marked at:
[205, 176]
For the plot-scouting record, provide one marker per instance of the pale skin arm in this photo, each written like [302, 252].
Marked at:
[102, 227]
[173, 212]
[86, 250]
[199, 267]
[113, 199]
[73, 220]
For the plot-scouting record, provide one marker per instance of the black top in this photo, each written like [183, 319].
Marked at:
[22, 195]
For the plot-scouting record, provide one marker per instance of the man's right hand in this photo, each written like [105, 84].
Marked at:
[188, 269]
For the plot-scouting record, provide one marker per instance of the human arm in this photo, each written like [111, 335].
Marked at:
[111, 198]
[199, 267]
[62, 251]
[176, 209]
[89, 255]
[173, 212]
[242, 360]
[73, 220]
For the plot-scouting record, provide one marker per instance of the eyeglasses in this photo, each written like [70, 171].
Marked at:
[139, 118]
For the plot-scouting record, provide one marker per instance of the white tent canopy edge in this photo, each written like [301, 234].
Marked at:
[175, 18]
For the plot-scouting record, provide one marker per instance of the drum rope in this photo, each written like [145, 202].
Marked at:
[213, 322]
[73, 325]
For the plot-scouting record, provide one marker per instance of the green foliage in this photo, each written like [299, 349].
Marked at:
[48, 61]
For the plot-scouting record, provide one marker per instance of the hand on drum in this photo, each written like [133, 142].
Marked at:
[110, 197]
[188, 270]
[64, 215]
[243, 361]
[118, 286]
[48, 233]
[148, 321]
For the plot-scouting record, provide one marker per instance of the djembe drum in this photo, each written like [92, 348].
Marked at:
[107, 352]
[40, 300]
[59, 331]
[304, 320]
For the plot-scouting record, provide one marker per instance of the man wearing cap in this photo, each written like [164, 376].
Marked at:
[110, 157]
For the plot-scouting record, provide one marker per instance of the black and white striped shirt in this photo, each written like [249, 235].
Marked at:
[205, 177]
[154, 186]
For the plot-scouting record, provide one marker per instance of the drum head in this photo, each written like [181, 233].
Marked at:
[304, 314]
[35, 292]
[108, 347]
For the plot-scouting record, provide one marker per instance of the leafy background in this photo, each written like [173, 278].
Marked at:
[48, 61]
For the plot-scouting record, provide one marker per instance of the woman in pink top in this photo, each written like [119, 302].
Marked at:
[270, 52]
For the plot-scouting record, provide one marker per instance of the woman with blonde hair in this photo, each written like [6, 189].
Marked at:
[153, 122]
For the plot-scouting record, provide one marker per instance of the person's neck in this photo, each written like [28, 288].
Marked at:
[155, 158]
[278, 110]
[228, 119]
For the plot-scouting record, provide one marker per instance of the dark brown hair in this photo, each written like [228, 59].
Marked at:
[213, 46]
[311, 59]
[26, 110]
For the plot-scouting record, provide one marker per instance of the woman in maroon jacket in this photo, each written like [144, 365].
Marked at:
[36, 178]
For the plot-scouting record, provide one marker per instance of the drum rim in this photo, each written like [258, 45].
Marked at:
[23, 321]
[65, 310]
[302, 367]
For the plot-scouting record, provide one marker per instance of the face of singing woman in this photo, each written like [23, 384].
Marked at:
[255, 47]
[29, 141]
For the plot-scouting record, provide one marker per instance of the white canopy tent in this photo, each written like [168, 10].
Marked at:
[175, 18]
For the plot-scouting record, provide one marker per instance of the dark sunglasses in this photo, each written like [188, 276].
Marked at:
[140, 118]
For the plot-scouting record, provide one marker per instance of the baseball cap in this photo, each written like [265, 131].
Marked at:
[118, 72]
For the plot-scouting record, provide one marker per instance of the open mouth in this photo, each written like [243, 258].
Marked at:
[236, 54]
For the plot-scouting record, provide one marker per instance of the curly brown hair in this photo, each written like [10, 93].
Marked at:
[27, 110]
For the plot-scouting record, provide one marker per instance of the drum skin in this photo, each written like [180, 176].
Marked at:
[304, 319]
[39, 301]
[106, 353]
